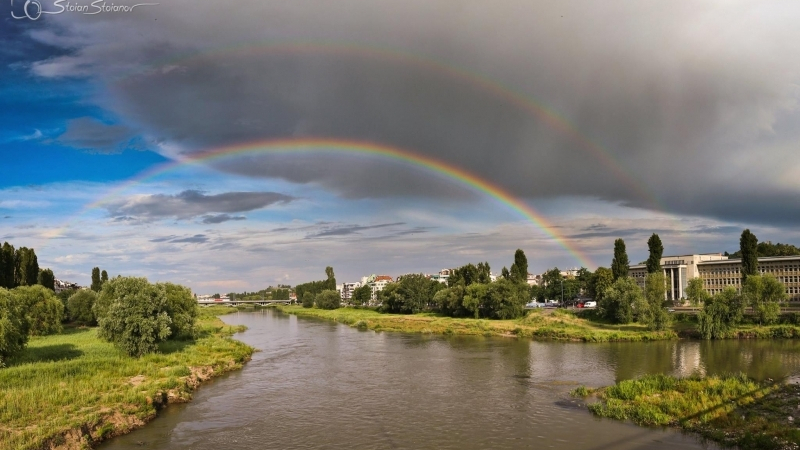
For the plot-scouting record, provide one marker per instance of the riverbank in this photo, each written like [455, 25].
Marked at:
[731, 410]
[73, 390]
[546, 324]
[538, 324]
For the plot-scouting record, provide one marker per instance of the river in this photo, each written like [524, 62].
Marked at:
[318, 384]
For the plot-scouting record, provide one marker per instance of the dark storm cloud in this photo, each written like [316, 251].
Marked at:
[94, 136]
[664, 107]
[219, 218]
[192, 203]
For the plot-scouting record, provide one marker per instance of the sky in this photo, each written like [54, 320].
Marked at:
[233, 148]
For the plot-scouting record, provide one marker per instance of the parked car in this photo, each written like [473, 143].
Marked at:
[590, 304]
[534, 305]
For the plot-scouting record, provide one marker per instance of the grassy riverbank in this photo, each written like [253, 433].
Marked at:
[538, 324]
[731, 410]
[73, 389]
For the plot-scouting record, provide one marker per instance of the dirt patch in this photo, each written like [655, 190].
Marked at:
[137, 380]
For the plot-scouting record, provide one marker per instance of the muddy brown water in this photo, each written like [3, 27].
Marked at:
[320, 385]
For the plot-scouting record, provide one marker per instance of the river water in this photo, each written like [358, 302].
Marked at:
[317, 384]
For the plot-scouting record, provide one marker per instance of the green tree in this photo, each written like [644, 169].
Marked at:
[8, 266]
[80, 306]
[14, 327]
[43, 309]
[748, 246]
[505, 273]
[764, 294]
[103, 277]
[504, 299]
[64, 297]
[361, 295]
[450, 301]
[696, 293]
[519, 269]
[413, 293]
[484, 273]
[331, 279]
[329, 299]
[308, 300]
[182, 310]
[27, 267]
[464, 275]
[474, 296]
[720, 313]
[601, 279]
[656, 251]
[132, 314]
[654, 313]
[552, 280]
[47, 279]
[97, 283]
[620, 263]
[620, 300]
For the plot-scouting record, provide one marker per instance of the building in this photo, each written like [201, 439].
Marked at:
[61, 285]
[533, 280]
[346, 290]
[718, 272]
[442, 276]
[377, 283]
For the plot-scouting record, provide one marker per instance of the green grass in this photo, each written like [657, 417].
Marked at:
[537, 324]
[73, 389]
[731, 410]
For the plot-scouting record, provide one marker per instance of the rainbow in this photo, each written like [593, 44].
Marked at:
[357, 148]
[508, 94]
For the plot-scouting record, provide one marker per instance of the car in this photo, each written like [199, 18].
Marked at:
[590, 304]
[534, 305]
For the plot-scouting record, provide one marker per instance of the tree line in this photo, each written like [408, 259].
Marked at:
[621, 300]
[132, 313]
[20, 267]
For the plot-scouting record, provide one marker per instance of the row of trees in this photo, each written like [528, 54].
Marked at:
[132, 313]
[20, 267]
[316, 287]
[98, 279]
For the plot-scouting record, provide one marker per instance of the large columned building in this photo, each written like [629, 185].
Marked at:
[718, 272]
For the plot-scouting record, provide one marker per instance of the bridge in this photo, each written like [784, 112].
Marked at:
[243, 302]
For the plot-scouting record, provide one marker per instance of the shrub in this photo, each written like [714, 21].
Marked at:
[308, 300]
[132, 313]
[182, 309]
[42, 308]
[79, 307]
[328, 299]
[13, 325]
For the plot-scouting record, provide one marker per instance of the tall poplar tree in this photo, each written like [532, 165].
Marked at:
[7, 266]
[656, 251]
[97, 283]
[103, 277]
[26, 267]
[519, 270]
[748, 246]
[620, 263]
[47, 279]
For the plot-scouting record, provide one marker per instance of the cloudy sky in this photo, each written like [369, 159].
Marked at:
[552, 126]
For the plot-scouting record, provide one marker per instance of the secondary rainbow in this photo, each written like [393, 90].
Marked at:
[352, 147]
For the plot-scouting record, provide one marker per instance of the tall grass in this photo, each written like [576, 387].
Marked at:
[75, 389]
[732, 410]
